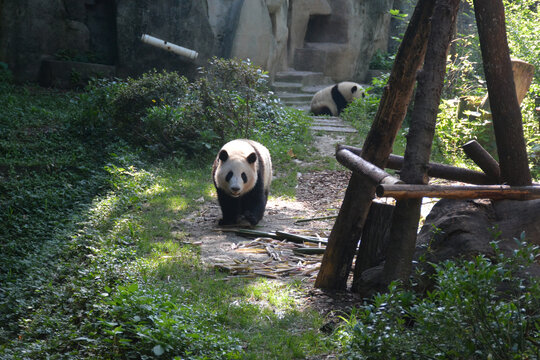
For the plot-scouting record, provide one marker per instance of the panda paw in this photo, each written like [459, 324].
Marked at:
[248, 216]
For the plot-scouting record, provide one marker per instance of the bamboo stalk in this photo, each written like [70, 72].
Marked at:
[316, 218]
[493, 192]
[257, 233]
[309, 251]
[300, 238]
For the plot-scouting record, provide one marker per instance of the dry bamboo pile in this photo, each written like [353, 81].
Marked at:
[287, 255]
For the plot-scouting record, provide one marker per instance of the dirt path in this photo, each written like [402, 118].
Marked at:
[318, 194]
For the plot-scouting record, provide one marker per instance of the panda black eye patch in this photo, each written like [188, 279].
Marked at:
[244, 177]
[229, 176]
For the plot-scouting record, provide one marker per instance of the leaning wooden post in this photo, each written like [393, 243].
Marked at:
[343, 240]
[506, 114]
[483, 159]
[406, 214]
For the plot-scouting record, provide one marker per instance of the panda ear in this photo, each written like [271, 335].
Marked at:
[354, 88]
[252, 158]
[223, 155]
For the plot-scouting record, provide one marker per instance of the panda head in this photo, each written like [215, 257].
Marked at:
[351, 90]
[236, 172]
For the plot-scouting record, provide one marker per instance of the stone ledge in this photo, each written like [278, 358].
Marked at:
[71, 74]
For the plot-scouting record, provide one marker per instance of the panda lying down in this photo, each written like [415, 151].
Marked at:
[333, 99]
[242, 173]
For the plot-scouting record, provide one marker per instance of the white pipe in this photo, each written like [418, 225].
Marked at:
[169, 46]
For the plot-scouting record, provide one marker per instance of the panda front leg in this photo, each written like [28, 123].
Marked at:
[254, 206]
[230, 208]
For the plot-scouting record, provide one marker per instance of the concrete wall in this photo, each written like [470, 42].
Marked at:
[336, 37]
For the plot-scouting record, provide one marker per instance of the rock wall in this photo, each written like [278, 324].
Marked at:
[336, 37]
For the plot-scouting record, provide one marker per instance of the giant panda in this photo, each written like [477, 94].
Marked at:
[242, 173]
[333, 99]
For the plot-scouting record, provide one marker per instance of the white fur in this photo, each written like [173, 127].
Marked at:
[323, 98]
[238, 151]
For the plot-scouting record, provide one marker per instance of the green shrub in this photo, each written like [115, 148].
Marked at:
[361, 112]
[142, 322]
[479, 309]
[131, 100]
[5, 74]
[166, 114]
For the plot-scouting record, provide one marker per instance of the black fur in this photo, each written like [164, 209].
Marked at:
[249, 206]
[339, 99]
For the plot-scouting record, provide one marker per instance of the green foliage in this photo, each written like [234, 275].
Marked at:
[142, 321]
[5, 74]
[76, 55]
[522, 29]
[169, 115]
[90, 265]
[382, 61]
[361, 112]
[479, 309]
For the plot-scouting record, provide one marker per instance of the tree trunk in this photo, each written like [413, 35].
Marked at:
[505, 110]
[422, 129]
[343, 240]
[374, 241]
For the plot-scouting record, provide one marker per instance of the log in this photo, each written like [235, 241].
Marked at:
[356, 163]
[493, 192]
[505, 110]
[406, 215]
[483, 159]
[337, 260]
[374, 241]
[441, 171]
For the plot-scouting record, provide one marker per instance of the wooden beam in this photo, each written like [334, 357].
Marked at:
[493, 192]
[356, 163]
[441, 171]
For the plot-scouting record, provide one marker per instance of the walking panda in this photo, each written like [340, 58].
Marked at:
[333, 99]
[242, 173]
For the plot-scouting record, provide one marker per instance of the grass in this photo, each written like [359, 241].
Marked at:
[93, 259]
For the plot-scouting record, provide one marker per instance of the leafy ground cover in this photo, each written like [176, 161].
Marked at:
[90, 267]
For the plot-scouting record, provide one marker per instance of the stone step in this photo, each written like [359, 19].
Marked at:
[339, 129]
[284, 87]
[295, 97]
[331, 124]
[306, 78]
